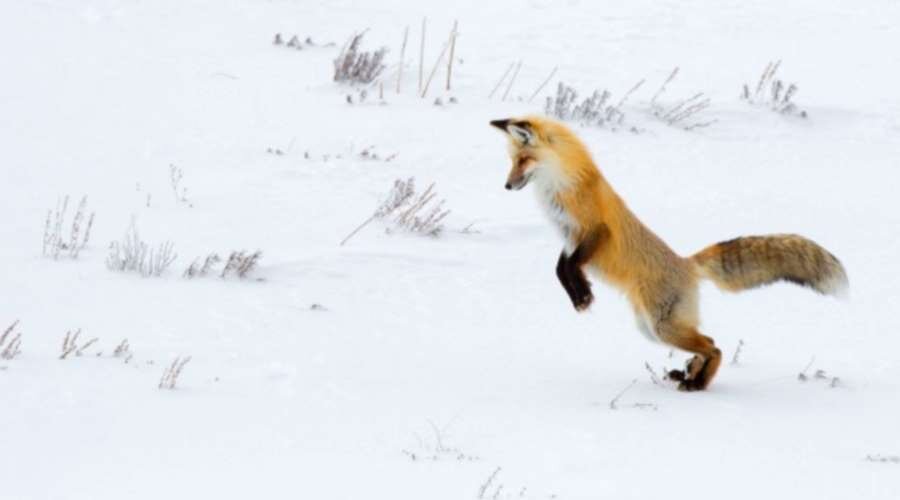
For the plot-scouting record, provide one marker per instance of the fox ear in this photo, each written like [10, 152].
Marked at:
[520, 131]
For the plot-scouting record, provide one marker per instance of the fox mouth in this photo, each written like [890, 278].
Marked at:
[515, 186]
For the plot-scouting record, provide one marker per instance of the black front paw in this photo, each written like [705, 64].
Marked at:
[583, 301]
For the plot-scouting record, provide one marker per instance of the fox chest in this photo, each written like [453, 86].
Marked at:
[560, 218]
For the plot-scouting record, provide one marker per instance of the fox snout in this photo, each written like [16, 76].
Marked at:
[517, 180]
[520, 174]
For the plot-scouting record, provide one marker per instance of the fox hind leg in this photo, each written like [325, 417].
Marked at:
[700, 369]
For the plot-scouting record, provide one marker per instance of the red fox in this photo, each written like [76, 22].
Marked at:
[602, 234]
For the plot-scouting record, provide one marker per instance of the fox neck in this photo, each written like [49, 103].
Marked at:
[550, 184]
[558, 188]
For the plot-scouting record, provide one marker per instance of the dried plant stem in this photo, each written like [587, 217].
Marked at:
[422, 54]
[69, 343]
[612, 403]
[663, 87]
[7, 331]
[452, 51]
[544, 84]
[487, 483]
[737, 352]
[502, 79]
[653, 376]
[628, 94]
[170, 375]
[358, 229]
[435, 68]
[85, 346]
[12, 348]
[402, 58]
[512, 80]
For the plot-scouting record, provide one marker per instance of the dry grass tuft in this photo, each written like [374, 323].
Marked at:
[9, 350]
[172, 372]
[133, 254]
[356, 66]
[55, 244]
[408, 211]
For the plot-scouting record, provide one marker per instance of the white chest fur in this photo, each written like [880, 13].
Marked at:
[547, 188]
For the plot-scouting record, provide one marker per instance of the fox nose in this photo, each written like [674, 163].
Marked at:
[508, 186]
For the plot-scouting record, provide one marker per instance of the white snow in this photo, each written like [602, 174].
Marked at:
[469, 334]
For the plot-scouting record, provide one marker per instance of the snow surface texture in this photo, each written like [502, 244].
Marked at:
[408, 367]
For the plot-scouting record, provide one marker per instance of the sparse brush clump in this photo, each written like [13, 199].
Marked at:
[133, 254]
[70, 344]
[123, 350]
[883, 459]
[295, 43]
[821, 375]
[598, 109]
[409, 211]
[370, 154]
[10, 349]
[773, 92]
[683, 113]
[202, 266]
[170, 375]
[176, 174]
[239, 263]
[354, 65]
[55, 244]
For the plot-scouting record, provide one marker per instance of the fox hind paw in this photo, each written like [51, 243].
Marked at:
[690, 385]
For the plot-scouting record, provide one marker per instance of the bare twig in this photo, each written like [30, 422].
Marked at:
[612, 403]
[802, 375]
[80, 350]
[663, 87]
[487, 483]
[632, 90]
[422, 54]
[453, 35]
[501, 80]
[434, 69]
[402, 58]
[512, 80]
[653, 376]
[543, 84]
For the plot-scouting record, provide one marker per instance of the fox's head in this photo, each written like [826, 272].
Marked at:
[535, 146]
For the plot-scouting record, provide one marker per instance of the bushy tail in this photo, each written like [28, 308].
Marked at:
[752, 261]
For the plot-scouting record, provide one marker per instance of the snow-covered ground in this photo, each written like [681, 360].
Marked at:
[431, 365]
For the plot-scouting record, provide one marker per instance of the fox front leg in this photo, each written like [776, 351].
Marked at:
[579, 288]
